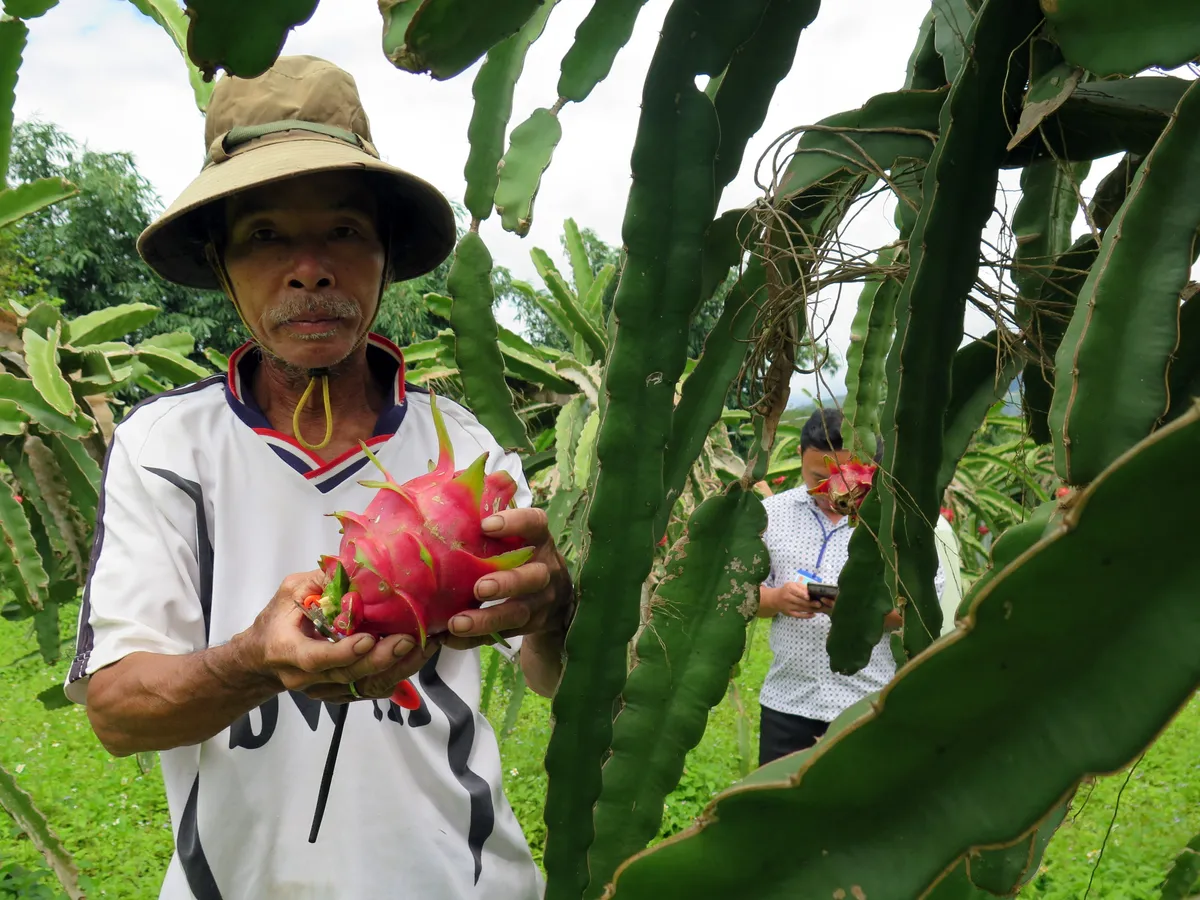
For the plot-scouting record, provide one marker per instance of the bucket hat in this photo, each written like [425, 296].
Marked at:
[302, 116]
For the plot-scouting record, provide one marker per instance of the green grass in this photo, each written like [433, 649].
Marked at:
[114, 818]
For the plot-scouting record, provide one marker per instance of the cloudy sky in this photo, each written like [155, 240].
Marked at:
[113, 79]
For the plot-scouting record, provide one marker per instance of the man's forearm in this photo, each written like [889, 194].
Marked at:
[766, 603]
[153, 701]
[541, 661]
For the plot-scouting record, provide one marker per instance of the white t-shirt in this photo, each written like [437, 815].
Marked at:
[800, 536]
[204, 511]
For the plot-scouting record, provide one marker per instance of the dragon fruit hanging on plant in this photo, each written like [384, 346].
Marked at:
[409, 562]
[847, 486]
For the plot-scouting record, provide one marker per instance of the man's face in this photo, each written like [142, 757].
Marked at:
[814, 468]
[305, 261]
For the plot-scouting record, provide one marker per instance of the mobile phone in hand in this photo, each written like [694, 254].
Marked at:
[824, 594]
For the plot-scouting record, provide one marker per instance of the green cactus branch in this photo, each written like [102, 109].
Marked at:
[1164, 34]
[958, 197]
[492, 91]
[1105, 397]
[750, 80]
[600, 36]
[445, 37]
[242, 38]
[671, 203]
[998, 734]
[980, 375]
[694, 636]
[477, 353]
[1181, 880]
[871, 333]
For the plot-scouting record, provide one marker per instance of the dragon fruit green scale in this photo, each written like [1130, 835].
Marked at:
[409, 562]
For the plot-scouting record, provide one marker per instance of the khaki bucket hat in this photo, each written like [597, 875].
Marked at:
[301, 116]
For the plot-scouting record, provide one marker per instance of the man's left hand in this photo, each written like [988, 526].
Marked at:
[536, 595]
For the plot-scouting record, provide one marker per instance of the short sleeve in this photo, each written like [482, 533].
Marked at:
[772, 579]
[142, 591]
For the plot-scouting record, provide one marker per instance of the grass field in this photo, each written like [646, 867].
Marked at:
[113, 817]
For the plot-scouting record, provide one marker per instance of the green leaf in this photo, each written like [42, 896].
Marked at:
[109, 323]
[603, 32]
[981, 374]
[476, 352]
[13, 36]
[81, 472]
[28, 562]
[216, 359]
[871, 333]
[888, 127]
[12, 418]
[26, 199]
[1121, 37]
[750, 79]
[533, 369]
[43, 317]
[530, 148]
[1107, 398]
[1181, 881]
[672, 201]
[33, 823]
[958, 197]
[569, 304]
[170, 365]
[493, 93]
[683, 659]
[1011, 710]
[952, 21]
[64, 517]
[593, 303]
[22, 392]
[567, 427]
[242, 38]
[170, 15]
[444, 37]
[513, 711]
[581, 266]
[28, 9]
[1047, 93]
[585, 453]
[41, 354]
[1003, 871]
[178, 342]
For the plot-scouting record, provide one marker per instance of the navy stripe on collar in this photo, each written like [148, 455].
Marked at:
[325, 475]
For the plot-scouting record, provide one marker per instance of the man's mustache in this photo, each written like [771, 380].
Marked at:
[323, 305]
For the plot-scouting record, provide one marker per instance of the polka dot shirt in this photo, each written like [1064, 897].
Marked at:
[803, 541]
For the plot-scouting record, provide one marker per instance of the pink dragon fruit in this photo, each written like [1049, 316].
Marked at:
[847, 486]
[409, 562]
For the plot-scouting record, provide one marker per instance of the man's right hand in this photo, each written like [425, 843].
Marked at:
[790, 599]
[283, 646]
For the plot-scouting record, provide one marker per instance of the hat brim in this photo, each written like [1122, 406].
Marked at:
[422, 225]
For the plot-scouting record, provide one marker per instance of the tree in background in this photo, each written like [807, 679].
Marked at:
[84, 251]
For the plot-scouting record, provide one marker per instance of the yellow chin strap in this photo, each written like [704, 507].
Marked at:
[313, 376]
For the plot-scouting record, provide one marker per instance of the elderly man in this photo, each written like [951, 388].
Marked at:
[215, 509]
